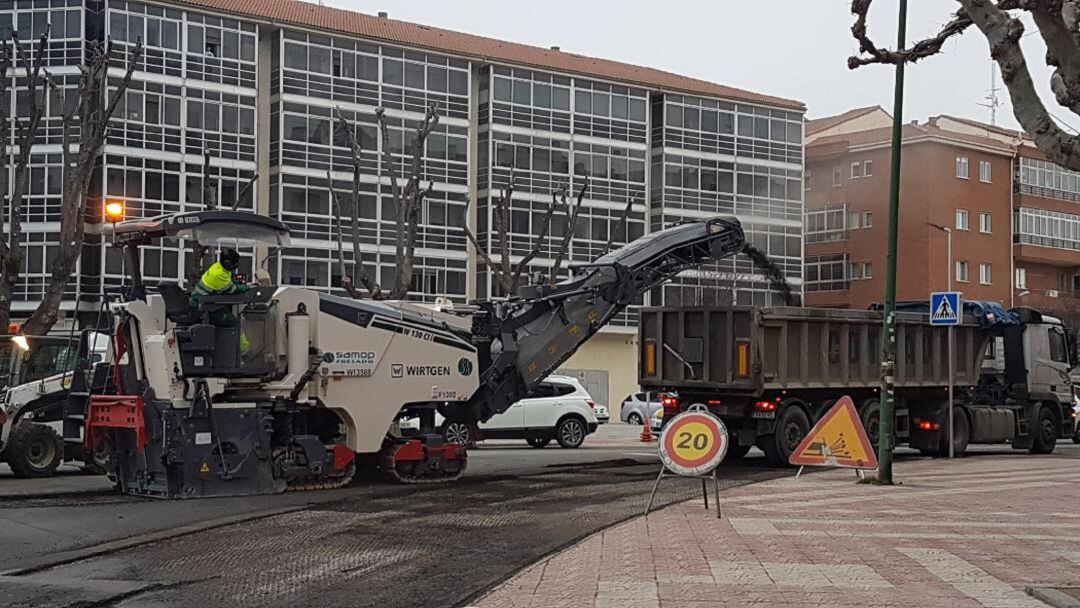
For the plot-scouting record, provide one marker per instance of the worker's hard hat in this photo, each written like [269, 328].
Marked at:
[230, 259]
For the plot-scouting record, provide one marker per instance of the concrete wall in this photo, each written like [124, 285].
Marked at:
[615, 353]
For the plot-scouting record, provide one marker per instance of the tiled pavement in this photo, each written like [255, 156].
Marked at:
[968, 533]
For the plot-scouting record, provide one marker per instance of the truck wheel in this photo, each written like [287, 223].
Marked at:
[961, 434]
[791, 428]
[34, 450]
[1044, 432]
[871, 421]
[736, 452]
[570, 433]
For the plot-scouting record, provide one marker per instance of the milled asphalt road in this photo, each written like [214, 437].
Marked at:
[371, 544]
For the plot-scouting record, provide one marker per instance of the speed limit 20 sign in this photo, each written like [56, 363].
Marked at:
[693, 443]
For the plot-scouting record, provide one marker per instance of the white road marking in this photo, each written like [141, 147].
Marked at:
[751, 526]
[797, 575]
[971, 580]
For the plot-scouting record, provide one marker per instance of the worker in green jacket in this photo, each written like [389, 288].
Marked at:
[218, 280]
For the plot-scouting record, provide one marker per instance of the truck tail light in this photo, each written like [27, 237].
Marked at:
[650, 357]
[670, 402]
[765, 406]
[742, 359]
[927, 425]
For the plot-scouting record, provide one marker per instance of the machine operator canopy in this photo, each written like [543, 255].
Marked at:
[211, 228]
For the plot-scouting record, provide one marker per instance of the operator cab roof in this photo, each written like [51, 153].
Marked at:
[237, 228]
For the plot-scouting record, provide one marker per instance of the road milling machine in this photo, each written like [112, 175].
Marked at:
[320, 379]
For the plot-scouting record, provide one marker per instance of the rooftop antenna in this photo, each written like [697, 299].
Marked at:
[993, 102]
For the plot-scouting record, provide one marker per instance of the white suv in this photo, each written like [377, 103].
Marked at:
[559, 409]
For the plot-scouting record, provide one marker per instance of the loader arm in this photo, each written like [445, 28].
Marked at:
[523, 339]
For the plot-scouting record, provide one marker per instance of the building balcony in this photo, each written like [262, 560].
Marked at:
[1046, 250]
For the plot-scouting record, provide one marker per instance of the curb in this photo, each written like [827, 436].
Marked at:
[1053, 597]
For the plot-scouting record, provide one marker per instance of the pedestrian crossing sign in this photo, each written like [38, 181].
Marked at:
[945, 308]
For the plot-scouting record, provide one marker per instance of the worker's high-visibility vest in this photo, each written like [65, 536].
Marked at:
[216, 279]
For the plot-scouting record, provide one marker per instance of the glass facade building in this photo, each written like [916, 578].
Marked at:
[260, 96]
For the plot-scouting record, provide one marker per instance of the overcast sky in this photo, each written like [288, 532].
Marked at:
[790, 48]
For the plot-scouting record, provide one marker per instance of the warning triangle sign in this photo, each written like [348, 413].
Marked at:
[837, 440]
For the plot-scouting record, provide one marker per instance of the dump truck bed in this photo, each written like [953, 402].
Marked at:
[749, 350]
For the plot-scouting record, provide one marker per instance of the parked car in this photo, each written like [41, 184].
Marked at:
[601, 412]
[560, 409]
[639, 406]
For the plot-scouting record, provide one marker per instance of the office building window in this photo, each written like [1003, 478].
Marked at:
[868, 219]
[1021, 278]
[962, 167]
[961, 219]
[985, 223]
[856, 169]
[867, 270]
[836, 176]
[984, 274]
[853, 220]
[806, 180]
[984, 171]
[962, 270]
[867, 168]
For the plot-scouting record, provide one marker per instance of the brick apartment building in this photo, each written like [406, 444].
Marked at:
[257, 82]
[1014, 216]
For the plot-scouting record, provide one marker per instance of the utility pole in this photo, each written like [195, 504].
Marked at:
[886, 437]
[949, 354]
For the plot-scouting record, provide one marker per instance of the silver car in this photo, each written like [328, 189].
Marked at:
[639, 406]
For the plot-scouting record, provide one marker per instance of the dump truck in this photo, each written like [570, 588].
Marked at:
[305, 387]
[771, 373]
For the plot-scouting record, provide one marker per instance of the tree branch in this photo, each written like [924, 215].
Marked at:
[346, 279]
[869, 52]
[1062, 53]
[243, 191]
[538, 245]
[618, 226]
[571, 224]
[1003, 33]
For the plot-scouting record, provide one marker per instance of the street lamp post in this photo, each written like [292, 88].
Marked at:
[949, 329]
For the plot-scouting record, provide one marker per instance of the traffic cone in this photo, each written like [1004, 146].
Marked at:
[646, 432]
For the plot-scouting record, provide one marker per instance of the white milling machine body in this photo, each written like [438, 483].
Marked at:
[190, 413]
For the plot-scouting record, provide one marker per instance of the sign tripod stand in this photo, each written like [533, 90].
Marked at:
[692, 444]
[704, 488]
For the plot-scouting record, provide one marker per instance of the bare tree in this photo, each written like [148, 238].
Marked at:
[1058, 23]
[349, 279]
[84, 113]
[507, 275]
[25, 132]
[408, 200]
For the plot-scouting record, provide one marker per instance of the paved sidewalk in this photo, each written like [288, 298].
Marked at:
[970, 533]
